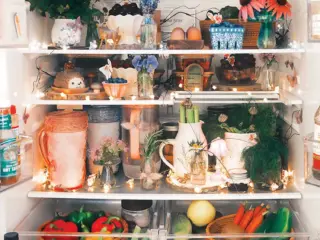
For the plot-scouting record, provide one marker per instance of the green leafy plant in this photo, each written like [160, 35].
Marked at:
[151, 144]
[264, 161]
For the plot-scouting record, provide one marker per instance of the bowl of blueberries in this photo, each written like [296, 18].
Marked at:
[115, 88]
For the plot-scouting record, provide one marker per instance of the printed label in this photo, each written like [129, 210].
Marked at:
[5, 122]
[8, 162]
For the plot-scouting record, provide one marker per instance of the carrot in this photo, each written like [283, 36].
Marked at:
[246, 218]
[255, 223]
[239, 214]
[263, 210]
[258, 209]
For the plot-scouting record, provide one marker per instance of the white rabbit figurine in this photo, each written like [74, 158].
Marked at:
[107, 70]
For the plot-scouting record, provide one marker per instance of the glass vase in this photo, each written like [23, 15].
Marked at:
[92, 34]
[269, 80]
[267, 36]
[145, 85]
[149, 178]
[148, 37]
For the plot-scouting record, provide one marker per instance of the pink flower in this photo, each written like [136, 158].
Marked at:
[247, 8]
[218, 148]
[217, 18]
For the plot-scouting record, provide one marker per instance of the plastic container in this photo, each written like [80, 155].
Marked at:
[137, 212]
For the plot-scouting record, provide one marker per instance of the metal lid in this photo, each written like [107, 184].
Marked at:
[136, 205]
[11, 236]
[171, 126]
[104, 114]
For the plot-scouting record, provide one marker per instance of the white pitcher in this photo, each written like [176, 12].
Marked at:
[188, 132]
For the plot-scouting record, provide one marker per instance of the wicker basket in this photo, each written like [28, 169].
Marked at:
[217, 225]
[123, 222]
[251, 33]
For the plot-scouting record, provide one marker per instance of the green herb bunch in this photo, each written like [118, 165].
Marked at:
[151, 144]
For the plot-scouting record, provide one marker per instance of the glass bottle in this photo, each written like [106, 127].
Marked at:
[148, 35]
[267, 36]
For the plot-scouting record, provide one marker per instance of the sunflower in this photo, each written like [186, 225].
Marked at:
[248, 6]
[279, 8]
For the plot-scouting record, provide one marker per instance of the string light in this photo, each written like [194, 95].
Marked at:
[214, 87]
[249, 94]
[106, 188]
[111, 98]
[91, 180]
[197, 89]
[180, 85]
[277, 89]
[235, 89]
[274, 187]
[251, 185]
[65, 47]
[90, 189]
[133, 98]
[152, 96]
[265, 100]
[87, 98]
[299, 92]
[197, 190]
[130, 183]
[44, 46]
[223, 185]
[41, 177]
[172, 95]
[63, 95]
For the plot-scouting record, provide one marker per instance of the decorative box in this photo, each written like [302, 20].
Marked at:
[226, 36]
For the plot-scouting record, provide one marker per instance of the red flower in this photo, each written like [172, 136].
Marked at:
[247, 7]
[279, 7]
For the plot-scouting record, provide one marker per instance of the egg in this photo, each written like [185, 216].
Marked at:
[178, 34]
[194, 33]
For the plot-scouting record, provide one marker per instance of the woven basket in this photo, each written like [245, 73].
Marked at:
[217, 225]
[123, 222]
[251, 33]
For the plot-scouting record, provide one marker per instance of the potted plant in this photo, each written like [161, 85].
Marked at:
[107, 156]
[69, 16]
[264, 162]
[149, 176]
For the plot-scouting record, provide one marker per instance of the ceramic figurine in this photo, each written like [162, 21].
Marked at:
[107, 69]
[76, 83]
[69, 80]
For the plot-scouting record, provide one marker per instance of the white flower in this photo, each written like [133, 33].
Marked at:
[218, 148]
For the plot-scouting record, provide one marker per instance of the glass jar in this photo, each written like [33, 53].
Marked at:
[137, 123]
[170, 131]
[145, 85]
[137, 212]
[148, 36]
[150, 178]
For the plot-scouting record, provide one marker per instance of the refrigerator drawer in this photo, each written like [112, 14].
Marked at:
[226, 208]
[46, 210]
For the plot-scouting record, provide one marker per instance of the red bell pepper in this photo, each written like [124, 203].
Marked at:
[60, 226]
[101, 225]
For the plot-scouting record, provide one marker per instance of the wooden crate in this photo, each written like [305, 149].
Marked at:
[52, 95]
[251, 33]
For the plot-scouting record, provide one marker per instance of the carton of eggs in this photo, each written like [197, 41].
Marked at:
[193, 34]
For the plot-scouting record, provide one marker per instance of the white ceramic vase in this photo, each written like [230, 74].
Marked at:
[64, 33]
[236, 143]
[129, 27]
[188, 132]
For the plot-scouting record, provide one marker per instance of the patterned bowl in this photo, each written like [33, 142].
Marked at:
[115, 90]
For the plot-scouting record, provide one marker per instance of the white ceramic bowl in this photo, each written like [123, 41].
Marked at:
[129, 27]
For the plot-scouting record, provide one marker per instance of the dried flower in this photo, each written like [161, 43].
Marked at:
[253, 110]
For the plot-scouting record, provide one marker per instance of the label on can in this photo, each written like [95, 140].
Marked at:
[5, 122]
[8, 161]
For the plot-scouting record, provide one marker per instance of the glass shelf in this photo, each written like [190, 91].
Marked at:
[165, 192]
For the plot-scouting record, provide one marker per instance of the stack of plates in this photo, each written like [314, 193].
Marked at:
[238, 174]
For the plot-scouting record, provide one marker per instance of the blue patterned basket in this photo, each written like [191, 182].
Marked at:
[226, 36]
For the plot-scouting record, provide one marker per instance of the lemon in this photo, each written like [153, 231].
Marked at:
[201, 213]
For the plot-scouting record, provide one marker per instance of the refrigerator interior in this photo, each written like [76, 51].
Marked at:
[19, 74]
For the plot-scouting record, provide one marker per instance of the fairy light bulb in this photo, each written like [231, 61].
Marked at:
[44, 46]
[111, 98]
[180, 85]
[152, 97]
[41, 177]
[106, 188]
[87, 98]
[235, 89]
[63, 95]
[91, 180]
[249, 94]
[265, 100]
[214, 88]
[172, 95]
[133, 98]
[130, 183]
[274, 187]
[197, 190]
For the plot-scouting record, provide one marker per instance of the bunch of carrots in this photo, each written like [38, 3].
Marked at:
[252, 218]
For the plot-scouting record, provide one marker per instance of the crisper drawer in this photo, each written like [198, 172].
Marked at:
[225, 210]
[46, 210]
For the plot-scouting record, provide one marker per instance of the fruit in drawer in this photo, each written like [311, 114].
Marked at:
[181, 225]
[201, 213]
[60, 226]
